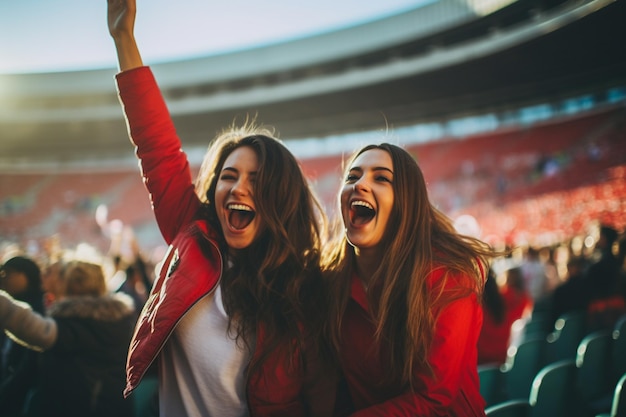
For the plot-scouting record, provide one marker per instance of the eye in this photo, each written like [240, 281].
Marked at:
[352, 177]
[384, 179]
[227, 176]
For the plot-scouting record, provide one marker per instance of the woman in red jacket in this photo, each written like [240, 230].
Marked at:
[407, 306]
[233, 317]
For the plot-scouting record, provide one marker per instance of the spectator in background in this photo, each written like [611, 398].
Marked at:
[137, 283]
[602, 284]
[131, 279]
[621, 261]
[571, 295]
[534, 275]
[503, 307]
[84, 342]
[494, 335]
[19, 366]
[551, 269]
[518, 303]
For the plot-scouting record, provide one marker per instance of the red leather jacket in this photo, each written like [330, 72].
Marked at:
[454, 388]
[193, 264]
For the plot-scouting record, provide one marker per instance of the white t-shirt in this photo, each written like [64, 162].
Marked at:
[201, 367]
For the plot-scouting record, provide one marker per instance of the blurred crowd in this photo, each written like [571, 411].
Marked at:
[70, 359]
[580, 275]
[587, 275]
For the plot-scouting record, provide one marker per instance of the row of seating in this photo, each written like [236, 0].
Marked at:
[561, 373]
[553, 396]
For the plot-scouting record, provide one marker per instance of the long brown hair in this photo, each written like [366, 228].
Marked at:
[418, 239]
[275, 282]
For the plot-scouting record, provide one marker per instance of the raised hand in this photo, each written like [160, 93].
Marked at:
[121, 20]
[121, 17]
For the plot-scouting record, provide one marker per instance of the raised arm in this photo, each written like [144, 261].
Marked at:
[121, 19]
[164, 166]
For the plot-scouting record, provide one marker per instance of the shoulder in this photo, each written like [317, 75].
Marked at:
[110, 307]
[444, 275]
[197, 243]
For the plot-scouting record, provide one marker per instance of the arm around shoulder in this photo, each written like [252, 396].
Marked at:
[25, 326]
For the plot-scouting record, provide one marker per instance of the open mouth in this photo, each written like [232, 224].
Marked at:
[361, 212]
[240, 215]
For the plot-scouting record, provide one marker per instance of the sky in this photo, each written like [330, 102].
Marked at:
[68, 35]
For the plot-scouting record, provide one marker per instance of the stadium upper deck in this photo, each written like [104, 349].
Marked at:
[438, 61]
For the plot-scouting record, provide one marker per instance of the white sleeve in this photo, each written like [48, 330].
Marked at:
[25, 326]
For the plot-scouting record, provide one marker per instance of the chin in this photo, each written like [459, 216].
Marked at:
[238, 244]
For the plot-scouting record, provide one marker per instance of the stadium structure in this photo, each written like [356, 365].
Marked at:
[516, 113]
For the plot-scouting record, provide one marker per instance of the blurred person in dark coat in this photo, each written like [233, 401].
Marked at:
[84, 342]
[571, 295]
[20, 277]
[605, 301]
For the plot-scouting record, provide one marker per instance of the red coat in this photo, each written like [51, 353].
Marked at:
[193, 264]
[454, 391]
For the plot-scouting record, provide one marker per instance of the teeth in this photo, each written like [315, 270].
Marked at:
[240, 207]
[363, 204]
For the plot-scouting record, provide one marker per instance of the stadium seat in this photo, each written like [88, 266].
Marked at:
[512, 408]
[618, 407]
[535, 326]
[522, 365]
[563, 341]
[593, 360]
[490, 378]
[617, 365]
[553, 392]
[538, 325]
[618, 354]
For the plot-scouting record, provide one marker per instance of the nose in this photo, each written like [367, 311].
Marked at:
[241, 188]
[362, 184]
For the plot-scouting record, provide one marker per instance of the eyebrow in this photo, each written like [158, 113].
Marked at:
[235, 170]
[357, 168]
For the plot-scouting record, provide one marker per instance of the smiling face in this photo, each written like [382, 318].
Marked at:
[367, 198]
[234, 198]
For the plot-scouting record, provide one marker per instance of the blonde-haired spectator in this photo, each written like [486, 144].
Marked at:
[84, 340]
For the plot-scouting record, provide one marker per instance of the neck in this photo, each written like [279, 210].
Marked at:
[367, 262]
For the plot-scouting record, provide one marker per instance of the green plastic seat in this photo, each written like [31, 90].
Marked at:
[593, 360]
[553, 391]
[569, 331]
[512, 408]
[490, 378]
[618, 407]
[522, 365]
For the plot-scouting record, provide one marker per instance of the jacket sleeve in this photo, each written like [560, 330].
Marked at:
[164, 166]
[25, 326]
[455, 336]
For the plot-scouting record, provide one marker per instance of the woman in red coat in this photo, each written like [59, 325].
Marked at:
[407, 311]
[502, 308]
[233, 317]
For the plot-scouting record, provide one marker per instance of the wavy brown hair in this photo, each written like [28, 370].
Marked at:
[275, 283]
[418, 239]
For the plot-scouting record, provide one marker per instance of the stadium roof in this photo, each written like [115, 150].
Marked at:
[437, 60]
